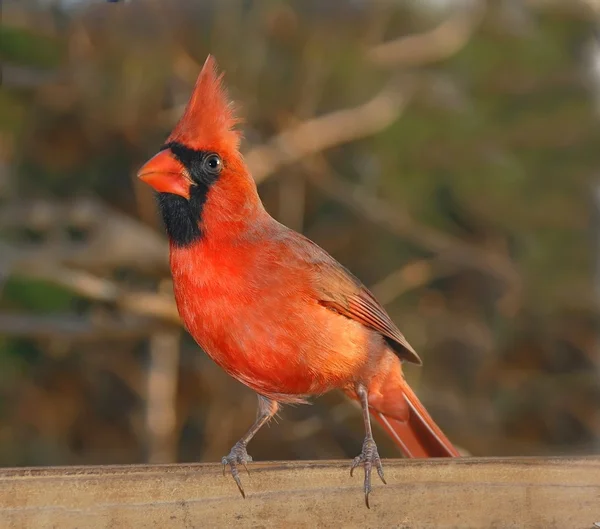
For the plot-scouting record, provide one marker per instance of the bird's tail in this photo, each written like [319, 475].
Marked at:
[407, 422]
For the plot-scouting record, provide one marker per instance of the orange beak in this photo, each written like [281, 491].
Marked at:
[166, 175]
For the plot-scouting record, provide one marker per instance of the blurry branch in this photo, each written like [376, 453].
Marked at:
[72, 327]
[161, 396]
[89, 286]
[400, 223]
[323, 132]
[435, 45]
[96, 226]
[411, 276]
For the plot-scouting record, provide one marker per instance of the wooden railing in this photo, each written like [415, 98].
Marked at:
[524, 493]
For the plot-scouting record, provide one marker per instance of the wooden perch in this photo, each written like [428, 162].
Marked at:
[464, 493]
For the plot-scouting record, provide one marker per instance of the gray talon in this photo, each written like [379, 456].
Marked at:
[368, 457]
[237, 456]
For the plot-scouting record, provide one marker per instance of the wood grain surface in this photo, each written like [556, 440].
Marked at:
[528, 493]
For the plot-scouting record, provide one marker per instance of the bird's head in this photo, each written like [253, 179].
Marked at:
[199, 173]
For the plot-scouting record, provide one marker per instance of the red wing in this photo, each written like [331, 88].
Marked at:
[342, 292]
[362, 306]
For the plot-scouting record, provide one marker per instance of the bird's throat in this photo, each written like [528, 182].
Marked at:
[222, 210]
[183, 217]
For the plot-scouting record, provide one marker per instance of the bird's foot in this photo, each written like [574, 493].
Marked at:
[368, 457]
[237, 456]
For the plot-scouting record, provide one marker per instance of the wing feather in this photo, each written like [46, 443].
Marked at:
[339, 290]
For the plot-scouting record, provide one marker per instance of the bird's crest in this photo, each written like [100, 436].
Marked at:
[208, 121]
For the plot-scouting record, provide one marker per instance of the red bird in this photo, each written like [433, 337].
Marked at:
[268, 305]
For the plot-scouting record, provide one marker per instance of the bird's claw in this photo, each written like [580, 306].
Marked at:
[368, 457]
[237, 456]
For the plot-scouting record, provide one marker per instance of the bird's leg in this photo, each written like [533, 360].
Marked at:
[369, 456]
[238, 455]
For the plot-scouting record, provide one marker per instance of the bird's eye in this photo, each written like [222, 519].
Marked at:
[213, 163]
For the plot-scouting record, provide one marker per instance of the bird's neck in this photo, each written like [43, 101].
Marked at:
[232, 208]
[226, 211]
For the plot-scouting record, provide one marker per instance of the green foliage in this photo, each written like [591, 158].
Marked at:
[26, 47]
[38, 297]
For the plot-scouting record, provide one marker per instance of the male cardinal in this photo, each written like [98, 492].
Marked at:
[268, 305]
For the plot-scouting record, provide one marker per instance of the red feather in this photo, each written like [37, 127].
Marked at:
[208, 120]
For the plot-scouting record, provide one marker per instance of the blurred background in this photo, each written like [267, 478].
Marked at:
[446, 151]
